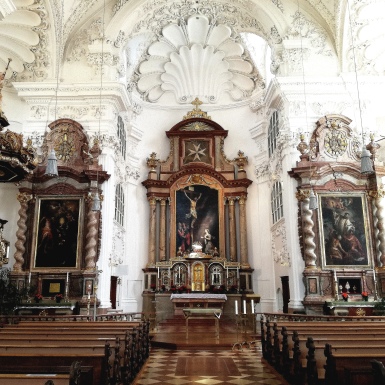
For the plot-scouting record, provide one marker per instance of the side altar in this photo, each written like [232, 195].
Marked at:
[341, 222]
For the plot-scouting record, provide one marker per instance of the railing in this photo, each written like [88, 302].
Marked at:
[135, 316]
[306, 318]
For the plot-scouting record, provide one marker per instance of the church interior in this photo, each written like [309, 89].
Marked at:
[193, 158]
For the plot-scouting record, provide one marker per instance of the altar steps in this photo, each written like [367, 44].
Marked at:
[171, 334]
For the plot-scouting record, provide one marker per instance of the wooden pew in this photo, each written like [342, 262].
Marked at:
[350, 368]
[72, 375]
[121, 361]
[307, 361]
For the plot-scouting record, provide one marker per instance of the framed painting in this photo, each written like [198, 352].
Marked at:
[345, 239]
[57, 242]
[197, 218]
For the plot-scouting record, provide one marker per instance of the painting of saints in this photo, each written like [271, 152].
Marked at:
[57, 233]
[345, 235]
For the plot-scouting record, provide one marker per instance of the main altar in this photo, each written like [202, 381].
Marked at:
[197, 221]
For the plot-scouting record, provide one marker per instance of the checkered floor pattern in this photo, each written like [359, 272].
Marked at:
[209, 367]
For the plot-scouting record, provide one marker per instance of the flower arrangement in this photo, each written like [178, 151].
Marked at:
[59, 297]
[345, 296]
[364, 295]
[38, 297]
[153, 286]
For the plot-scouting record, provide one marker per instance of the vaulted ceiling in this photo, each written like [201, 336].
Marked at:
[172, 51]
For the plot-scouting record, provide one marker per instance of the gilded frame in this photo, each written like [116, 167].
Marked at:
[345, 240]
[57, 236]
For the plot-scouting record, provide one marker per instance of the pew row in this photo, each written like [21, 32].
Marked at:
[111, 360]
[302, 359]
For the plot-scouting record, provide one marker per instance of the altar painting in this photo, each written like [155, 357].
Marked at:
[344, 230]
[197, 219]
[57, 232]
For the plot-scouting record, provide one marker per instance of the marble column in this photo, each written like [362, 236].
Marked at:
[20, 234]
[152, 235]
[307, 228]
[243, 233]
[91, 236]
[379, 201]
[162, 230]
[232, 230]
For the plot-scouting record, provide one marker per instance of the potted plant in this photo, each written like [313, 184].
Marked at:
[364, 295]
[345, 296]
[379, 307]
[58, 297]
[38, 297]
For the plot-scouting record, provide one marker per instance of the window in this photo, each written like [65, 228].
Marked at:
[276, 202]
[273, 132]
[121, 137]
[119, 204]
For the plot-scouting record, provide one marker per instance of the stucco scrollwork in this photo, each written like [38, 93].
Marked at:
[279, 244]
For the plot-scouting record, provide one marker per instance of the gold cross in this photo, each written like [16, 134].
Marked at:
[196, 103]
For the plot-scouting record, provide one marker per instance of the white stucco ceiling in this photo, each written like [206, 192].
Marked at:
[188, 48]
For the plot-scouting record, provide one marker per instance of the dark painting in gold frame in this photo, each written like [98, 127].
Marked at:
[57, 241]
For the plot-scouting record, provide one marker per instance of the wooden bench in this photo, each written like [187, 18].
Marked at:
[301, 357]
[43, 344]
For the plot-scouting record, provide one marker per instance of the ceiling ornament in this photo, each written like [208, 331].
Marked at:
[367, 28]
[198, 58]
[23, 37]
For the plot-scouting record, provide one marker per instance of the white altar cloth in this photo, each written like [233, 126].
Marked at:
[199, 296]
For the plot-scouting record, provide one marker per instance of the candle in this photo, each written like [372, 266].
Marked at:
[374, 275]
[227, 272]
[158, 272]
[252, 306]
[244, 306]
[89, 296]
[236, 307]
[335, 276]
[29, 279]
[67, 277]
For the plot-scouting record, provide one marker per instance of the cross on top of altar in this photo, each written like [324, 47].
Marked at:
[196, 112]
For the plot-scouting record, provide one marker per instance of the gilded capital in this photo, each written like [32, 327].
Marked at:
[301, 195]
[24, 197]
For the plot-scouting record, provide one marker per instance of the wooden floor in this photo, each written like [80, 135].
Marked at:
[203, 359]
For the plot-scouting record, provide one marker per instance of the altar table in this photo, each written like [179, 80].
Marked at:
[198, 300]
[203, 313]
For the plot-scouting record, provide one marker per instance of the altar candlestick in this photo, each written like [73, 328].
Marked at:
[29, 279]
[252, 306]
[236, 307]
[244, 306]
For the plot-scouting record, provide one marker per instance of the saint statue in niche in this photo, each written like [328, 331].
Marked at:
[197, 218]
